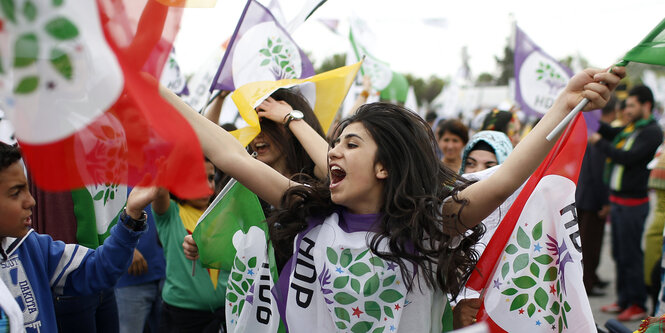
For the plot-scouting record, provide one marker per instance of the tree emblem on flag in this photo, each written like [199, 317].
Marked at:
[277, 55]
[241, 284]
[240, 289]
[107, 191]
[27, 45]
[361, 301]
[549, 74]
[531, 279]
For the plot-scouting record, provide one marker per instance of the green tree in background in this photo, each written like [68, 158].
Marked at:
[506, 66]
[485, 79]
[425, 90]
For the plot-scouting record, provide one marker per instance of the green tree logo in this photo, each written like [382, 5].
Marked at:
[363, 299]
[240, 288]
[279, 58]
[551, 76]
[27, 45]
[534, 287]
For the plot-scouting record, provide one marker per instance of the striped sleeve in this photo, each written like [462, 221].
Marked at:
[71, 259]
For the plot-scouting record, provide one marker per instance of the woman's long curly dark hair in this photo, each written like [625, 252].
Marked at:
[412, 223]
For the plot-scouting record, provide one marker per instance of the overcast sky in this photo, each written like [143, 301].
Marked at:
[600, 30]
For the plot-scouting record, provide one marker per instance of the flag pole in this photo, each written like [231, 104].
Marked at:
[571, 115]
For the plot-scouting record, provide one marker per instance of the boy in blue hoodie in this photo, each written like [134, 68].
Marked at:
[35, 267]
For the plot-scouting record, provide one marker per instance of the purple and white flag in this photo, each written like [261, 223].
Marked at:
[172, 77]
[260, 50]
[538, 77]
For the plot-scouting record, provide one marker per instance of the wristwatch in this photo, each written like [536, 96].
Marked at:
[293, 115]
[129, 222]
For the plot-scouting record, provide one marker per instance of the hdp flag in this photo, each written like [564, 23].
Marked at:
[172, 77]
[232, 235]
[260, 50]
[538, 77]
[96, 208]
[77, 80]
[651, 50]
[531, 269]
[235, 209]
[324, 92]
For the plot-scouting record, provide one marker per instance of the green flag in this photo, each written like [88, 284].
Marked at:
[235, 209]
[232, 235]
[397, 89]
[651, 50]
[96, 208]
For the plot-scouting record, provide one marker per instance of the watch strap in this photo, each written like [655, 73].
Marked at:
[289, 117]
[134, 224]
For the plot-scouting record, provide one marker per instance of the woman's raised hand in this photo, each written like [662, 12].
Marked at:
[594, 84]
[274, 110]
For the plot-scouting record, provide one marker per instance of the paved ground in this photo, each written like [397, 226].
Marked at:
[606, 271]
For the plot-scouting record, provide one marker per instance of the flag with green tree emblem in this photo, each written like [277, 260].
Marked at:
[392, 85]
[538, 77]
[260, 50]
[531, 270]
[232, 235]
[78, 82]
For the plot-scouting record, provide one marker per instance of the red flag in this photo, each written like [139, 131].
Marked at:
[531, 270]
[84, 99]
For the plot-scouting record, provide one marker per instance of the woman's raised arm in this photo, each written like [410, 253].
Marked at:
[225, 152]
[485, 196]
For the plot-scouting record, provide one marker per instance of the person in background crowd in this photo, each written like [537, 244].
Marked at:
[653, 237]
[629, 149]
[503, 121]
[593, 206]
[453, 135]
[485, 150]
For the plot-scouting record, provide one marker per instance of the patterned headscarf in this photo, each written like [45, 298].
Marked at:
[497, 140]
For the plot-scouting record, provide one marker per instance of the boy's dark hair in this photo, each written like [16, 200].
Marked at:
[456, 127]
[8, 155]
[643, 94]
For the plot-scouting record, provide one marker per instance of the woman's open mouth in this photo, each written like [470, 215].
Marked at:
[337, 174]
[261, 147]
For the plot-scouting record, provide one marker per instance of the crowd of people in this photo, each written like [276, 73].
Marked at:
[384, 181]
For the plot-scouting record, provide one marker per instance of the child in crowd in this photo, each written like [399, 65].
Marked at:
[35, 268]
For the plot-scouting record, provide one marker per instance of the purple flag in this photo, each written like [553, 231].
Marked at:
[260, 50]
[539, 79]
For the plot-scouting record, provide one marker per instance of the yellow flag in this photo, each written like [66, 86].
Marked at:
[330, 88]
